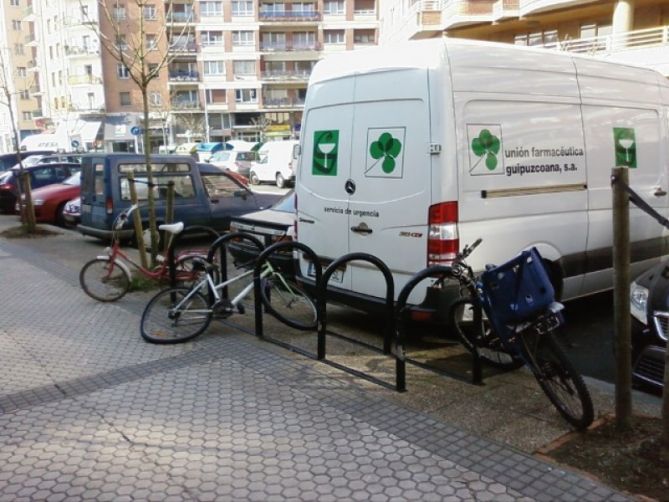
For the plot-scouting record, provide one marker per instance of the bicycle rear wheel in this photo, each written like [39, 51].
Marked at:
[169, 318]
[558, 378]
[286, 301]
[104, 280]
[188, 273]
[476, 333]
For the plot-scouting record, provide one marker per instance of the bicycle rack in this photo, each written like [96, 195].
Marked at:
[403, 317]
[322, 279]
[195, 229]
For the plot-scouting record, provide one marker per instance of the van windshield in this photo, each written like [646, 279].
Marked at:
[219, 185]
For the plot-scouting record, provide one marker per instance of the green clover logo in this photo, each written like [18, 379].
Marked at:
[486, 145]
[388, 148]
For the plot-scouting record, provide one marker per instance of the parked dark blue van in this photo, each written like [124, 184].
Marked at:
[204, 195]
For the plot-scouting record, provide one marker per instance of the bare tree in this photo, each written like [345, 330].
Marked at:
[7, 99]
[143, 55]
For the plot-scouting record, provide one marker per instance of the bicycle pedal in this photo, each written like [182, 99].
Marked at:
[223, 309]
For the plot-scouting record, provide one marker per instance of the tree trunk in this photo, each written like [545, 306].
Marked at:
[29, 222]
[149, 170]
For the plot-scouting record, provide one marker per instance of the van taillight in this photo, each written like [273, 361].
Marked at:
[443, 241]
[109, 205]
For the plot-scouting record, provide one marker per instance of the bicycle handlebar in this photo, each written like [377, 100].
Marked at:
[468, 250]
[124, 215]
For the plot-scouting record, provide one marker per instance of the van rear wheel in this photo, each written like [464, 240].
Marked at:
[280, 180]
[253, 179]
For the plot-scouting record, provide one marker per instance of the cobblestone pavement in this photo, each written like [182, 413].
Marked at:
[90, 411]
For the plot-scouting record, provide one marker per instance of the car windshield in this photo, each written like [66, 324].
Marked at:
[4, 177]
[74, 180]
[286, 204]
[250, 156]
[221, 156]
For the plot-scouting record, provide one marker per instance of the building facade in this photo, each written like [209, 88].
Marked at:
[234, 68]
[635, 31]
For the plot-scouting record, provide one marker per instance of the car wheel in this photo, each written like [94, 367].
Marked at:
[60, 217]
[280, 180]
[253, 179]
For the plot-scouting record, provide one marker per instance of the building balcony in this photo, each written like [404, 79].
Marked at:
[77, 50]
[285, 76]
[529, 7]
[282, 103]
[364, 14]
[78, 21]
[183, 47]
[29, 13]
[290, 17]
[185, 105]
[181, 17]
[37, 114]
[650, 46]
[505, 9]
[30, 40]
[32, 65]
[290, 47]
[83, 80]
[184, 76]
[456, 13]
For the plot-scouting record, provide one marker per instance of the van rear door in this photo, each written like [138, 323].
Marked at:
[325, 165]
[390, 179]
[95, 189]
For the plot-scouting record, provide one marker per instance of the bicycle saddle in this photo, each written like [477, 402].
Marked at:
[173, 228]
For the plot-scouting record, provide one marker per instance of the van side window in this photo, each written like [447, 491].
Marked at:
[219, 185]
[183, 187]
[156, 168]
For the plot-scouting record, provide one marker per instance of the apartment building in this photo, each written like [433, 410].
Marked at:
[17, 41]
[635, 31]
[6, 83]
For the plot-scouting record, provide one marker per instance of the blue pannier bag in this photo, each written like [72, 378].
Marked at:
[518, 289]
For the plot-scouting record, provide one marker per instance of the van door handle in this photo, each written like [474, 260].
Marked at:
[362, 229]
[659, 192]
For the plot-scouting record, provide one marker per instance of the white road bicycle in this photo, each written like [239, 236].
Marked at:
[178, 314]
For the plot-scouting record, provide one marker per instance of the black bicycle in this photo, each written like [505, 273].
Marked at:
[509, 316]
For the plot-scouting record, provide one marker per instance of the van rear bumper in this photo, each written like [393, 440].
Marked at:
[104, 233]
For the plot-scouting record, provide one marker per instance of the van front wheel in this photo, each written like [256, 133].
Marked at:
[280, 180]
[253, 179]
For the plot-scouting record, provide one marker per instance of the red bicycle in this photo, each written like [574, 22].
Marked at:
[107, 277]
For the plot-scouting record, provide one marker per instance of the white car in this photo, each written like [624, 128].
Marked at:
[278, 160]
[237, 161]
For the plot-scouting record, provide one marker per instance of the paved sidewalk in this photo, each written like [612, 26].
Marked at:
[90, 411]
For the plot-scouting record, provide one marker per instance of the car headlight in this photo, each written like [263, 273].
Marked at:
[38, 202]
[638, 302]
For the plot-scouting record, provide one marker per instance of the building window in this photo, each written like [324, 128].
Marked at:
[118, 12]
[21, 71]
[216, 96]
[210, 9]
[25, 94]
[124, 98]
[246, 96]
[304, 40]
[214, 67]
[305, 8]
[304, 67]
[273, 40]
[14, 3]
[27, 115]
[84, 11]
[536, 38]
[363, 37]
[150, 12]
[122, 71]
[16, 25]
[333, 36]
[153, 67]
[277, 8]
[211, 38]
[155, 98]
[18, 49]
[244, 68]
[243, 38]
[334, 7]
[595, 30]
[242, 8]
[151, 42]
[121, 43]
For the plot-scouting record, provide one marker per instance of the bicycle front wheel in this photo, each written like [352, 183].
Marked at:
[476, 333]
[104, 280]
[286, 301]
[175, 315]
[558, 378]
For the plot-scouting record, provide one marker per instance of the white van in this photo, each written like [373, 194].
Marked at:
[410, 152]
[277, 163]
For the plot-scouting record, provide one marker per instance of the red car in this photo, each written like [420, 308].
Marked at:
[50, 200]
